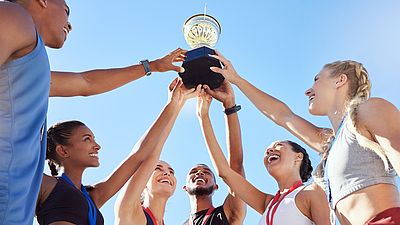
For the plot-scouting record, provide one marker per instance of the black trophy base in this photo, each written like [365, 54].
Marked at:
[197, 69]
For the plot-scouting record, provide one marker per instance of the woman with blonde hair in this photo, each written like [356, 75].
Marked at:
[360, 153]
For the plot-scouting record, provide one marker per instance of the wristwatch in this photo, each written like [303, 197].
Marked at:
[146, 66]
[232, 110]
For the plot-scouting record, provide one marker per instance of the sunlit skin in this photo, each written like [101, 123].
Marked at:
[200, 176]
[329, 96]
[162, 181]
[281, 161]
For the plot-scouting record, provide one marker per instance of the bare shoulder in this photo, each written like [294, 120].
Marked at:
[47, 186]
[312, 190]
[17, 29]
[376, 109]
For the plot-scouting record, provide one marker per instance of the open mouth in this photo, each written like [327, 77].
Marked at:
[94, 155]
[199, 180]
[165, 181]
[273, 158]
[311, 98]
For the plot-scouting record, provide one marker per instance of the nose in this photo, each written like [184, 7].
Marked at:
[269, 151]
[200, 172]
[167, 173]
[69, 26]
[308, 92]
[97, 146]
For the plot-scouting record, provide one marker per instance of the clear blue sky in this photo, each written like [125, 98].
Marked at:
[277, 45]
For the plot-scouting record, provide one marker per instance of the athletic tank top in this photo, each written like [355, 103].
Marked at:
[24, 93]
[217, 217]
[65, 203]
[352, 167]
[287, 212]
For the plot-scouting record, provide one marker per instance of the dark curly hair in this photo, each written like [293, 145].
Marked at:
[59, 134]
[305, 167]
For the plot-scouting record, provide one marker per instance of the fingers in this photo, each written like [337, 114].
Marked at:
[216, 70]
[178, 69]
[220, 57]
[208, 90]
[174, 83]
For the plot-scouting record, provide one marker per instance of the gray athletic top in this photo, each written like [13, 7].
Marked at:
[352, 167]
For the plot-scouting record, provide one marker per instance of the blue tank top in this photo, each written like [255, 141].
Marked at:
[24, 92]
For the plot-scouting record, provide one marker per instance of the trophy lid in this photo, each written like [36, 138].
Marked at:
[201, 30]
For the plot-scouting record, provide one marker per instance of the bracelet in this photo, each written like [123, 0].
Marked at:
[233, 109]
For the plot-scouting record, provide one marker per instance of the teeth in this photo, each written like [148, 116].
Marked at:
[272, 158]
[94, 155]
[165, 181]
[200, 179]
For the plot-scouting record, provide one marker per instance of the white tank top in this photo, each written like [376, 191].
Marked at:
[287, 212]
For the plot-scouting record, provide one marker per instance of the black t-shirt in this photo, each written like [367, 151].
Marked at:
[65, 203]
[217, 217]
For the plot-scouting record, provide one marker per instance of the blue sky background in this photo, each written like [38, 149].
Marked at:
[277, 45]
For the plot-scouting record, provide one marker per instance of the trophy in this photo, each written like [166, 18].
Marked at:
[201, 33]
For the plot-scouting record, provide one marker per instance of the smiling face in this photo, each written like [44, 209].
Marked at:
[200, 181]
[280, 159]
[53, 22]
[163, 180]
[82, 149]
[322, 94]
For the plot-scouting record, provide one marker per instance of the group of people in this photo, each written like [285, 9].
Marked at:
[356, 178]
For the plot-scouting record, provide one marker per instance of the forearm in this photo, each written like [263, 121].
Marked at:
[271, 107]
[217, 156]
[234, 142]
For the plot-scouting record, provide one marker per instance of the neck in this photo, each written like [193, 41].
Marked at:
[285, 183]
[157, 206]
[75, 175]
[336, 114]
[199, 203]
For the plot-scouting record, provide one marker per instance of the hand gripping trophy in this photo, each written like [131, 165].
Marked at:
[201, 33]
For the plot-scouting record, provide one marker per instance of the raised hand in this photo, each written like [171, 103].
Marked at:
[166, 63]
[203, 104]
[224, 94]
[179, 93]
[228, 71]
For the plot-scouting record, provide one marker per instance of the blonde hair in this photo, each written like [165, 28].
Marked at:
[359, 92]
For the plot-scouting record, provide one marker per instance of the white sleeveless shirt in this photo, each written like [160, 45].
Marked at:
[287, 212]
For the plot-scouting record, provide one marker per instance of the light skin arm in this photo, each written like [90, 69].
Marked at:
[149, 146]
[382, 120]
[234, 207]
[17, 32]
[128, 207]
[66, 84]
[312, 202]
[237, 183]
[273, 108]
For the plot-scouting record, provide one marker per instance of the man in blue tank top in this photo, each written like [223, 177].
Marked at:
[26, 27]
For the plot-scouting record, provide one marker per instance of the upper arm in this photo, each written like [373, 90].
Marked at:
[382, 120]
[313, 136]
[17, 30]
[243, 189]
[312, 202]
[65, 84]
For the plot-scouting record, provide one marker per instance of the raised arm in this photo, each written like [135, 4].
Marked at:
[128, 206]
[148, 147]
[381, 119]
[275, 109]
[65, 84]
[234, 207]
[237, 183]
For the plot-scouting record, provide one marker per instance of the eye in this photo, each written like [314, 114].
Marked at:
[87, 139]
[158, 168]
[172, 172]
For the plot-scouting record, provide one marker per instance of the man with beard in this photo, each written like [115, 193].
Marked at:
[201, 182]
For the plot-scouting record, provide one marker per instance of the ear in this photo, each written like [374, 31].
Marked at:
[42, 3]
[62, 152]
[341, 80]
[216, 187]
[299, 156]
